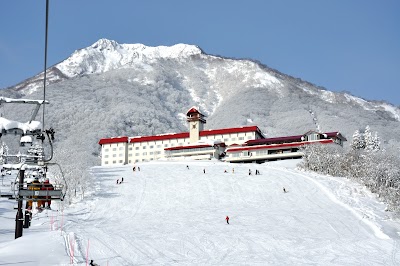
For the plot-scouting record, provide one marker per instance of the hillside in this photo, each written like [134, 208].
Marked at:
[110, 89]
[168, 214]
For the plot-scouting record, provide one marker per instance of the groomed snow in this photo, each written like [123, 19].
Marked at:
[168, 214]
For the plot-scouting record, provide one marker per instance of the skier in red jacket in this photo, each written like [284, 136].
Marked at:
[227, 219]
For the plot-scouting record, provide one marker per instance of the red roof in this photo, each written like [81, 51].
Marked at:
[274, 140]
[230, 130]
[193, 110]
[289, 139]
[336, 134]
[283, 145]
[113, 140]
[182, 135]
[160, 137]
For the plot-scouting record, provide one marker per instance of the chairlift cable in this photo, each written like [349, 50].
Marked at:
[45, 61]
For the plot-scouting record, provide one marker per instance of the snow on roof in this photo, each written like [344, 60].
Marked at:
[10, 124]
[23, 166]
[10, 100]
[194, 110]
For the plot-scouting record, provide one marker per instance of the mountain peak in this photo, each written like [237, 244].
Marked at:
[104, 44]
[105, 55]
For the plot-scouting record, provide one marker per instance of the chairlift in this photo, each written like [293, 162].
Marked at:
[25, 140]
[34, 192]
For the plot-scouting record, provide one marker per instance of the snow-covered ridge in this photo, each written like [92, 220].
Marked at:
[375, 106]
[105, 55]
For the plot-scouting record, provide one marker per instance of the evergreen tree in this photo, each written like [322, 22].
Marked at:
[358, 142]
[368, 139]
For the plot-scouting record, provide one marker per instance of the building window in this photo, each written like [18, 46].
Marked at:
[121, 148]
[136, 148]
[144, 147]
[137, 154]
[130, 148]
[114, 162]
[114, 155]
[114, 149]
[241, 138]
[151, 153]
[106, 156]
[106, 150]
[313, 137]
[151, 146]
[144, 153]
[158, 146]
[106, 162]
[120, 161]
[120, 155]
[130, 155]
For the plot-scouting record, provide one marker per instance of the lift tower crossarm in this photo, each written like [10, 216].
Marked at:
[26, 101]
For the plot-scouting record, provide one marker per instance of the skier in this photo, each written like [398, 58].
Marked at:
[47, 186]
[204, 170]
[227, 219]
[93, 264]
[187, 166]
[225, 171]
[35, 185]
[284, 190]
[117, 181]
[122, 180]
[134, 169]
[249, 171]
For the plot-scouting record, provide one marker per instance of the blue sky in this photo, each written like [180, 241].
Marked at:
[342, 45]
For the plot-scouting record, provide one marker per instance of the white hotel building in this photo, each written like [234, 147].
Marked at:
[235, 145]
[196, 144]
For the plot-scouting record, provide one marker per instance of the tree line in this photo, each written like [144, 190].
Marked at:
[365, 161]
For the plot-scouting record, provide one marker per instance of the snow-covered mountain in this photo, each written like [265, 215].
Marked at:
[106, 55]
[110, 89]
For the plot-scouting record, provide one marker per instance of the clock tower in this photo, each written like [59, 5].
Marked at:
[196, 124]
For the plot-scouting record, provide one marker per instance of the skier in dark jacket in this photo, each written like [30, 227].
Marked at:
[93, 264]
[227, 219]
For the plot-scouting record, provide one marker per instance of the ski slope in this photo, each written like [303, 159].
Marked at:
[167, 214]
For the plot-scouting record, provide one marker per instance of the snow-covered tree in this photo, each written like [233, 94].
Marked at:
[358, 142]
[368, 139]
[365, 141]
[379, 171]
